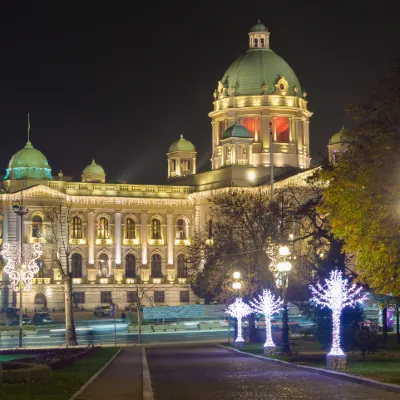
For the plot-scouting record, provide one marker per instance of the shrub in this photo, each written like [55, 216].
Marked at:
[366, 341]
[17, 372]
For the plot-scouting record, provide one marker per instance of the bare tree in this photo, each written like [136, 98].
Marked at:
[60, 218]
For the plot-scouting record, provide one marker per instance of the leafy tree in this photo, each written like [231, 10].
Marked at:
[362, 195]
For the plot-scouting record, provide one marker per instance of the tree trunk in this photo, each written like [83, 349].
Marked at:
[384, 325]
[70, 333]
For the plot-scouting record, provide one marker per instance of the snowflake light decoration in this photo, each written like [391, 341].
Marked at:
[29, 267]
[336, 294]
[238, 310]
[268, 305]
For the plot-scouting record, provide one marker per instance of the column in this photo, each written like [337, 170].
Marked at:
[291, 129]
[117, 217]
[306, 133]
[170, 239]
[264, 127]
[143, 236]
[193, 165]
[234, 157]
[91, 236]
[299, 136]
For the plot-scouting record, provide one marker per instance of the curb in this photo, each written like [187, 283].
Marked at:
[334, 374]
[85, 385]
[147, 389]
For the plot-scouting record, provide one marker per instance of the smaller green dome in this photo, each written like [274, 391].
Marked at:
[338, 137]
[28, 163]
[258, 27]
[181, 145]
[236, 130]
[94, 173]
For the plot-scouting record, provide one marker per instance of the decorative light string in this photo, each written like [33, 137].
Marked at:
[336, 294]
[28, 268]
[239, 309]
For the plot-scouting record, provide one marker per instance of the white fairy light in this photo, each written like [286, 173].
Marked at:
[27, 270]
[267, 304]
[336, 294]
[238, 310]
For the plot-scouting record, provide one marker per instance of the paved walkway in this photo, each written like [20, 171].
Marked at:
[122, 379]
[211, 373]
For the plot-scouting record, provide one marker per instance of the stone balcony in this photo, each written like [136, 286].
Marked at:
[41, 281]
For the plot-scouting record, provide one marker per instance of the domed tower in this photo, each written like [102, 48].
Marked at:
[262, 93]
[94, 173]
[337, 144]
[30, 164]
[181, 158]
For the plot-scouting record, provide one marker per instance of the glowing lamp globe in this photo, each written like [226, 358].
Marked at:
[236, 285]
[284, 266]
[236, 275]
[284, 250]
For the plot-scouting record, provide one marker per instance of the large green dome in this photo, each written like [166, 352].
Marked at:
[249, 73]
[28, 163]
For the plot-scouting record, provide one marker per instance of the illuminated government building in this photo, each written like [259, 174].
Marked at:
[124, 233]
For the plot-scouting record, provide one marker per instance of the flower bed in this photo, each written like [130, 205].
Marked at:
[19, 372]
[62, 358]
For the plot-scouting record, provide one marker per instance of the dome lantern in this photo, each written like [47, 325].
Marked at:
[259, 36]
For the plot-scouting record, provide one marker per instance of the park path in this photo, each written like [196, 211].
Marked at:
[122, 379]
[212, 373]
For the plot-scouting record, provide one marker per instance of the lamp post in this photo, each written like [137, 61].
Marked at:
[20, 210]
[284, 266]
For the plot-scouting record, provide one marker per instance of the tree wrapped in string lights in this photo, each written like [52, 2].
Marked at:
[267, 304]
[238, 310]
[336, 294]
[21, 270]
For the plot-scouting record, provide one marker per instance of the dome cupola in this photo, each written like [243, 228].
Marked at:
[236, 130]
[94, 173]
[259, 36]
[181, 158]
[29, 163]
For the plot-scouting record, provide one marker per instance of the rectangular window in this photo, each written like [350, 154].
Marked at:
[282, 129]
[184, 296]
[105, 297]
[78, 297]
[132, 296]
[159, 296]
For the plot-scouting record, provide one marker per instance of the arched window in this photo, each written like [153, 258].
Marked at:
[156, 266]
[255, 42]
[130, 266]
[76, 228]
[130, 229]
[37, 223]
[262, 42]
[210, 229]
[156, 229]
[76, 265]
[182, 271]
[40, 300]
[181, 229]
[102, 229]
[103, 266]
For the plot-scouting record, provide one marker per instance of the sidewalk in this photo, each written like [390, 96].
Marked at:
[122, 379]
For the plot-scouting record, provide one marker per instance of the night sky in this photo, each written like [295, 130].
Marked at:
[119, 83]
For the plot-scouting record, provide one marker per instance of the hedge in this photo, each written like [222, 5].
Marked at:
[17, 372]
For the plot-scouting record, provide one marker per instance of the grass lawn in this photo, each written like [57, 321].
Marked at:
[383, 366]
[8, 357]
[64, 383]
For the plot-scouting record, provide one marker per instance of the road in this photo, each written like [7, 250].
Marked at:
[211, 373]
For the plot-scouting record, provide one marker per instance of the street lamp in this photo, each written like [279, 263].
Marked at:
[20, 210]
[284, 266]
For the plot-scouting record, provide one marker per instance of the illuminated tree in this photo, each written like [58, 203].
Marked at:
[238, 310]
[336, 294]
[268, 305]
